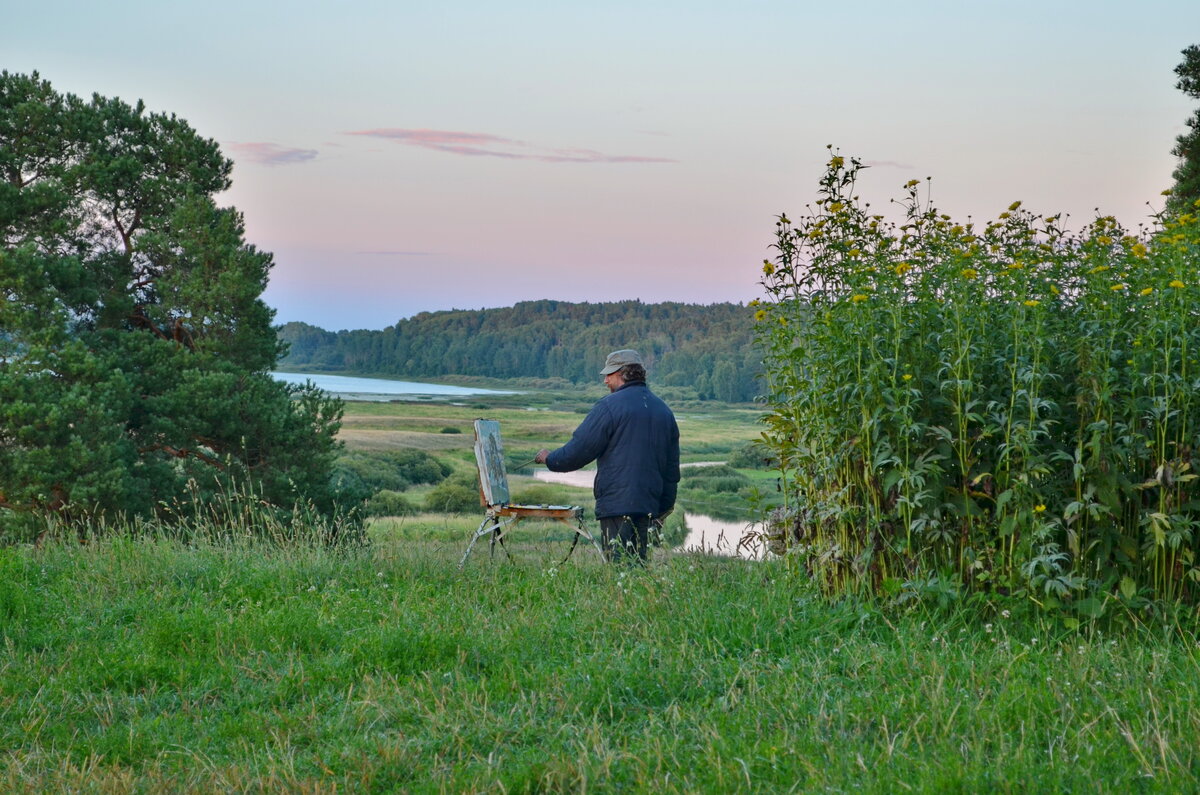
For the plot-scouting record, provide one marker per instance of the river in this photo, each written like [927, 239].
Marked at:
[379, 389]
[705, 534]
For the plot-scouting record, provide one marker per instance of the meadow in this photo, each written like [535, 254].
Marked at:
[153, 664]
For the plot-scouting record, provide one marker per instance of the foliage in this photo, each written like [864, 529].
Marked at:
[1008, 408]
[135, 346]
[752, 455]
[704, 348]
[389, 503]
[1185, 194]
[453, 496]
[395, 470]
[167, 667]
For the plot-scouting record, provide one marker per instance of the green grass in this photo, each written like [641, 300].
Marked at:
[154, 666]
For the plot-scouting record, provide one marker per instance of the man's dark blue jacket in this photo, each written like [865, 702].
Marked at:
[633, 438]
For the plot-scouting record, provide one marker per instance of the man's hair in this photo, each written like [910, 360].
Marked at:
[632, 372]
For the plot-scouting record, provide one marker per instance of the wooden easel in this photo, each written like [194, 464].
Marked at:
[502, 516]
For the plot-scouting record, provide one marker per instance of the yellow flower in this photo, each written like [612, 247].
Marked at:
[760, 314]
[854, 252]
[1118, 287]
[1099, 269]
[902, 268]
[1032, 302]
[1039, 508]
[768, 268]
[1139, 250]
[837, 162]
[1176, 284]
[969, 273]
[1054, 289]
[1104, 240]
[912, 183]
[1012, 208]
[1005, 215]
[755, 302]
[908, 376]
[1146, 291]
[1166, 192]
[858, 299]
[1016, 266]
[836, 207]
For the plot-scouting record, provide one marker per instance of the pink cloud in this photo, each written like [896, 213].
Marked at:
[472, 144]
[270, 154]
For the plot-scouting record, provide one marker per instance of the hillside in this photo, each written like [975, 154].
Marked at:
[687, 345]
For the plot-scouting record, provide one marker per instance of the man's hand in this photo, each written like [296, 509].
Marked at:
[541, 456]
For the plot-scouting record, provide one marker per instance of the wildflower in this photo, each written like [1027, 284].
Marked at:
[1166, 192]
[1099, 269]
[755, 302]
[1016, 266]
[1005, 215]
[1012, 208]
[760, 314]
[858, 299]
[1146, 291]
[1176, 284]
[902, 268]
[1005, 614]
[1032, 302]
[1039, 508]
[1118, 287]
[1054, 289]
[908, 376]
[912, 183]
[837, 162]
[1104, 240]
[836, 207]
[1138, 250]
[969, 273]
[768, 268]
[854, 252]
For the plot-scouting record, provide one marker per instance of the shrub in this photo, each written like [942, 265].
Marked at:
[394, 470]
[1013, 406]
[389, 503]
[451, 497]
[450, 429]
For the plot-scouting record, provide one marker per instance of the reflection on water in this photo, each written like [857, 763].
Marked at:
[705, 534]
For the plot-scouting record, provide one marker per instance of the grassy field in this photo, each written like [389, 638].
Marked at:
[157, 667]
[531, 420]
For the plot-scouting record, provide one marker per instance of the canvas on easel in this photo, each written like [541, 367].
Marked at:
[501, 516]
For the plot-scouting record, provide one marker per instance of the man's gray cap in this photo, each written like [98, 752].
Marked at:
[618, 359]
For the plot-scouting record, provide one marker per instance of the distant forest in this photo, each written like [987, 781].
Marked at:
[708, 348]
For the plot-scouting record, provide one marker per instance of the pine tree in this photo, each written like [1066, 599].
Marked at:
[1186, 190]
[134, 345]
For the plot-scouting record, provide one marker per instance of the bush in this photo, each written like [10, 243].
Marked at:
[452, 497]
[389, 503]
[394, 470]
[450, 429]
[753, 455]
[1014, 406]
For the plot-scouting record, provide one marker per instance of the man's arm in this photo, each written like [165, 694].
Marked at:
[666, 502]
[587, 443]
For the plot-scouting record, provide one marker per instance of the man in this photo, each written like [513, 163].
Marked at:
[632, 436]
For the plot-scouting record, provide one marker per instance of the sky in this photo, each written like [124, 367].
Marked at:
[408, 156]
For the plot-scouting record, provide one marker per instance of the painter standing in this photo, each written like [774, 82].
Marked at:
[634, 440]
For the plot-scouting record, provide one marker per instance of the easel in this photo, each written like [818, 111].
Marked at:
[494, 496]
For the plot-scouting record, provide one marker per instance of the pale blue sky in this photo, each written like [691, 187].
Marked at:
[410, 156]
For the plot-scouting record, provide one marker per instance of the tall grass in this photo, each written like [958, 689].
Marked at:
[1008, 406]
[159, 666]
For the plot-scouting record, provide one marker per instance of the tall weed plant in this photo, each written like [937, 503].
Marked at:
[961, 407]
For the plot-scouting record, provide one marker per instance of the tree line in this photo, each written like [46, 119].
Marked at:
[705, 347]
